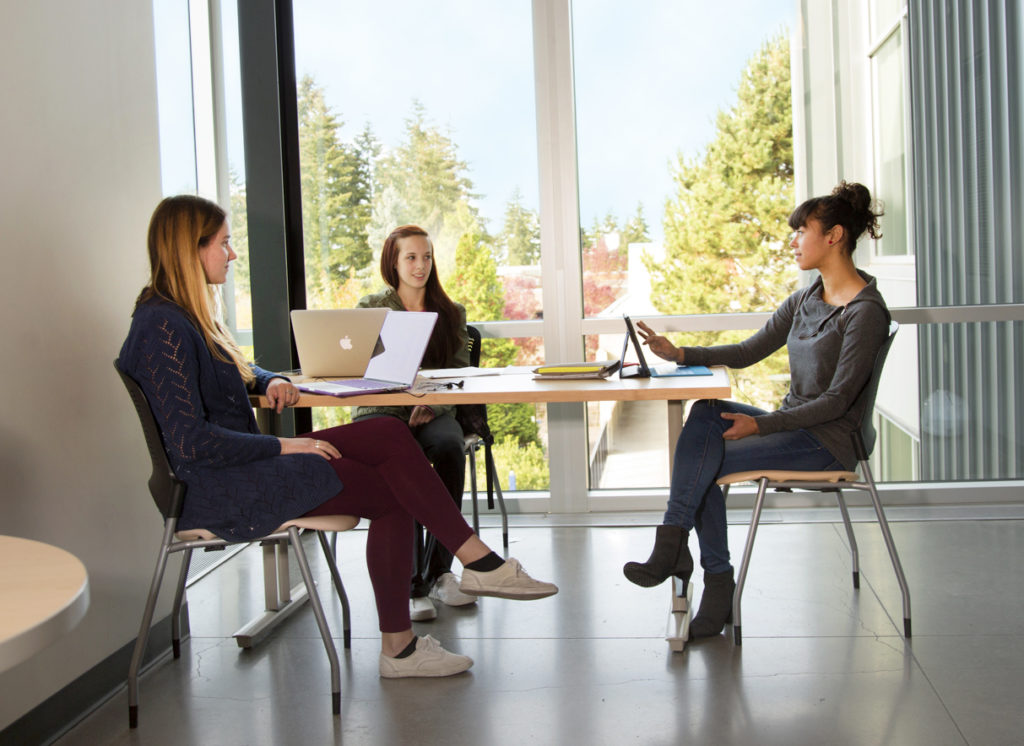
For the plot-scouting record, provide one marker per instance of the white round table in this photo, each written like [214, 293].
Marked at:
[44, 593]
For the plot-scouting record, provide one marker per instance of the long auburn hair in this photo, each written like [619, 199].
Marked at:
[444, 338]
[179, 228]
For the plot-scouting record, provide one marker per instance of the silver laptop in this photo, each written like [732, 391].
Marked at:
[404, 337]
[338, 342]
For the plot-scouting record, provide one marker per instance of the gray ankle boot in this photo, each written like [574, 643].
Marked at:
[670, 556]
[715, 605]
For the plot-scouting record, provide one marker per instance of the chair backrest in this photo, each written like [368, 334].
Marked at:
[864, 437]
[474, 346]
[168, 491]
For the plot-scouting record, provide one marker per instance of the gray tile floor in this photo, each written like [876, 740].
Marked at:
[820, 663]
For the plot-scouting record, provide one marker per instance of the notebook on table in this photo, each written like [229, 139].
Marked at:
[337, 343]
[642, 370]
[403, 342]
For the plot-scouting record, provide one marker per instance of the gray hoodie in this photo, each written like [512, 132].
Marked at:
[831, 353]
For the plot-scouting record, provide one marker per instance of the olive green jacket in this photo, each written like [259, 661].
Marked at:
[388, 298]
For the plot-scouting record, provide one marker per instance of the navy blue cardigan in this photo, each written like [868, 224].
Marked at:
[239, 484]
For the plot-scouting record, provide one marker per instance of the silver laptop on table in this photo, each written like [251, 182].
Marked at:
[404, 338]
[338, 342]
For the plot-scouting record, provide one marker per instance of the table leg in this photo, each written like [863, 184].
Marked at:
[675, 426]
[280, 598]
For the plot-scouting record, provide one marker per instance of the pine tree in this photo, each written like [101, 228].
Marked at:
[478, 288]
[725, 226]
[422, 181]
[518, 243]
[337, 188]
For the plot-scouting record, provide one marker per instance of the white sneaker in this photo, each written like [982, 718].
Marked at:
[446, 590]
[508, 581]
[429, 659]
[421, 610]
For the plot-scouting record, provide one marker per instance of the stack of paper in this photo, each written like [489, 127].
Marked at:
[597, 369]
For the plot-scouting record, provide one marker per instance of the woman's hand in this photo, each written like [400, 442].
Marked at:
[309, 445]
[281, 394]
[421, 415]
[659, 345]
[742, 426]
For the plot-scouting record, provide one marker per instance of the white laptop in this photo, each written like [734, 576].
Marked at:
[404, 338]
[338, 342]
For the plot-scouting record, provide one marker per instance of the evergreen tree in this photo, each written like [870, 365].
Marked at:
[336, 198]
[478, 288]
[726, 233]
[422, 181]
[519, 241]
[635, 230]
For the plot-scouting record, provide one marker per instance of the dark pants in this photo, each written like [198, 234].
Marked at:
[387, 479]
[702, 456]
[444, 446]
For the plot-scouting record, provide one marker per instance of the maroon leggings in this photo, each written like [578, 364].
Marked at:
[388, 480]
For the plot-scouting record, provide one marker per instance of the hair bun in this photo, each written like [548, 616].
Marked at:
[854, 193]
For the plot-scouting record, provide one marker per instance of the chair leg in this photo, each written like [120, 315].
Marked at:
[179, 595]
[147, 619]
[472, 489]
[755, 520]
[852, 539]
[489, 460]
[332, 565]
[321, 620]
[883, 524]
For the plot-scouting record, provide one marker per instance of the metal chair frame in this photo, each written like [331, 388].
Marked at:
[169, 495]
[827, 481]
[473, 443]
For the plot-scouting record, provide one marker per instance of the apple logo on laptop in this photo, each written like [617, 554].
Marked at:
[346, 343]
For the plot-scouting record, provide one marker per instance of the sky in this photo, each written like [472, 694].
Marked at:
[650, 76]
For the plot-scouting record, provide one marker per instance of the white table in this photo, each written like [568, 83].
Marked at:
[44, 593]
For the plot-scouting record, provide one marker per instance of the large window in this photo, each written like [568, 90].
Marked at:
[685, 162]
[685, 183]
[412, 113]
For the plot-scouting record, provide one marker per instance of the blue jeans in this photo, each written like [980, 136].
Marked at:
[702, 456]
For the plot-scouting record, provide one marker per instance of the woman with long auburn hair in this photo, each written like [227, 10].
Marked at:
[408, 269]
[242, 484]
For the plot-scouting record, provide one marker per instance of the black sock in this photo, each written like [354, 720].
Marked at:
[409, 649]
[487, 563]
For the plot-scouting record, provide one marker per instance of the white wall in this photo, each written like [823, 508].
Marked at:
[80, 177]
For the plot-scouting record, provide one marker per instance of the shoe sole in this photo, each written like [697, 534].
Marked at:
[636, 575]
[458, 605]
[508, 595]
[395, 675]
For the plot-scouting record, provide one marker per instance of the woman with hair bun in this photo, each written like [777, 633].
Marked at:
[833, 330]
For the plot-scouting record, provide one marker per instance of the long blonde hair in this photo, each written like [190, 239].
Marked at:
[179, 228]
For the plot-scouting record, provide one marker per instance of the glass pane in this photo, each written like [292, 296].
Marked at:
[237, 290]
[685, 175]
[408, 136]
[396, 132]
[686, 182]
[174, 97]
[884, 14]
[889, 144]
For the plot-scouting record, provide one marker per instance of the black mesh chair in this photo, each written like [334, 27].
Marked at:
[827, 481]
[169, 495]
[836, 482]
[473, 418]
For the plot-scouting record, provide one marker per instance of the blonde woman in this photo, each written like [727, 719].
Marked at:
[242, 484]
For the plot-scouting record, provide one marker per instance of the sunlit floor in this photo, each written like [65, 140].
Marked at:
[820, 663]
